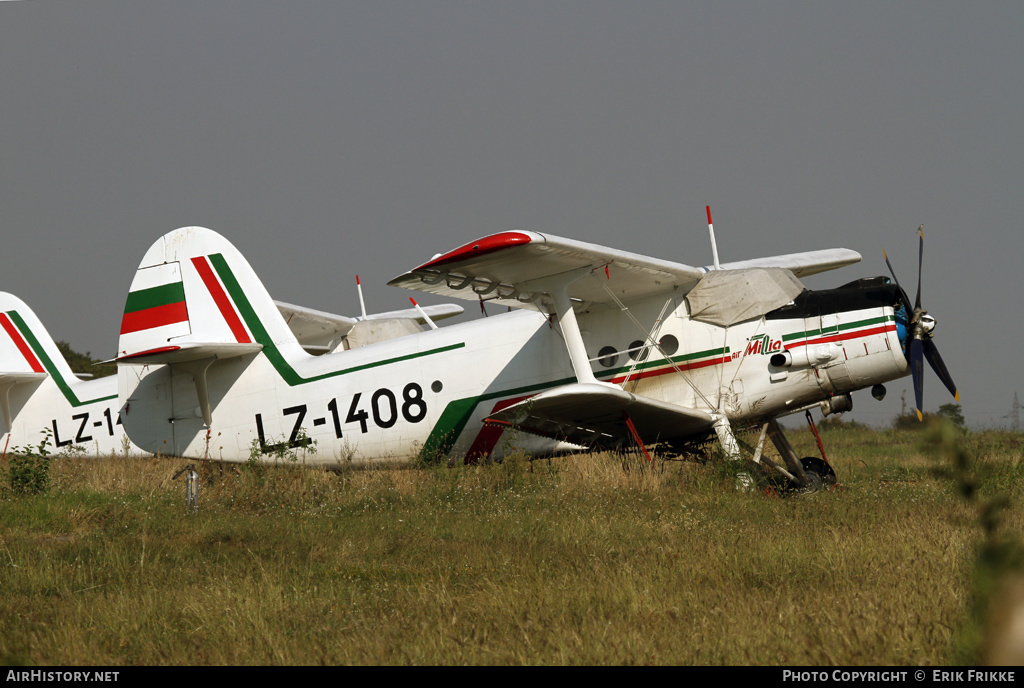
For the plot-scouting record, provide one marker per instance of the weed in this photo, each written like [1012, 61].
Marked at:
[998, 561]
[28, 471]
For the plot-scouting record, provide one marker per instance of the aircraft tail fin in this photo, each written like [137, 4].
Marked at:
[195, 296]
[27, 352]
[25, 345]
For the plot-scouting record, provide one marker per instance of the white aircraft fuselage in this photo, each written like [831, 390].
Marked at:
[428, 394]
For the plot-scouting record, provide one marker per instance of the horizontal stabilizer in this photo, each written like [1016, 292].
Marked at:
[594, 415]
[437, 312]
[184, 353]
[8, 381]
[20, 378]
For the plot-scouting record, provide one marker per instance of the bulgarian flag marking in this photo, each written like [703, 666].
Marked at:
[157, 299]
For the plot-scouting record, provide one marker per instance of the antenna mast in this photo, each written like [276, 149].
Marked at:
[362, 306]
[423, 314]
[714, 247]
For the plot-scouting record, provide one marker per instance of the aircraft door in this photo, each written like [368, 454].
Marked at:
[186, 417]
[829, 324]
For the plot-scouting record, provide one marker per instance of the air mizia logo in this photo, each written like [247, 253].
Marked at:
[762, 344]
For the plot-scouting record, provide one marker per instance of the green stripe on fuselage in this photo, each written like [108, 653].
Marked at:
[260, 334]
[842, 328]
[40, 353]
[457, 414]
[647, 365]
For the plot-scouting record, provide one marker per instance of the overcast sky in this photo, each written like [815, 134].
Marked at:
[326, 139]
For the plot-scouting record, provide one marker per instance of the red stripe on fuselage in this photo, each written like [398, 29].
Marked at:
[221, 299]
[484, 443]
[158, 316]
[22, 345]
[844, 337]
[670, 369]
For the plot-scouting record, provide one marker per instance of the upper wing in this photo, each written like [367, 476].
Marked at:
[801, 264]
[594, 415]
[512, 267]
[437, 312]
[318, 330]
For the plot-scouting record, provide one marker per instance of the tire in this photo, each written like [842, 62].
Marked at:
[819, 472]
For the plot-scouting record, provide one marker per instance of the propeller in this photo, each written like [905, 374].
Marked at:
[921, 331]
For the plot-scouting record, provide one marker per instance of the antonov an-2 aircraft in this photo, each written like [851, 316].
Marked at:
[41, 397]
[601, 349]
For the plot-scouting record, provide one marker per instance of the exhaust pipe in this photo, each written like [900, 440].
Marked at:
[812, 355]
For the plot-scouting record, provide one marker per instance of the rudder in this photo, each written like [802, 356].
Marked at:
[193, 288]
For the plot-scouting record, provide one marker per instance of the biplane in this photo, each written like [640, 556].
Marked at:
[599, 349]
[40, 396]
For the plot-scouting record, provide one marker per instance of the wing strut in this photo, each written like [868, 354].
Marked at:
[571, 328]
[197, 369]
[649, 338]
[636, 435]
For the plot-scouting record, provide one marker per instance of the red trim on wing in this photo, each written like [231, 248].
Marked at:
[480, 247]
[148, 352]
[221, 299]
[22, 345]
[158, 316]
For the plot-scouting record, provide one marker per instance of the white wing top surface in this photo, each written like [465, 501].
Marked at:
[511, 268]
[801, 264]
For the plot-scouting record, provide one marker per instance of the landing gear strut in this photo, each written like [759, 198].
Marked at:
[808, 474]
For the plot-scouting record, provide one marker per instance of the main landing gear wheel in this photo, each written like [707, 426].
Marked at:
[818, 472]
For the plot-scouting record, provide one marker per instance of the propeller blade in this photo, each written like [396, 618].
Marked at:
[931, 352]
[920, 263]
[906, 299]
[917, 371]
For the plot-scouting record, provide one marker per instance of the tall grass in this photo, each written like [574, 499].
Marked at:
[589, 559]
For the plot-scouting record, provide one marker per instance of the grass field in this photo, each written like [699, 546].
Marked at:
[592, 559]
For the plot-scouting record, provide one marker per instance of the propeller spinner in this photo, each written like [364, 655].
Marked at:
[921, 331]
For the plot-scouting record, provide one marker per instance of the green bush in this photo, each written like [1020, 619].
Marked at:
[28, 471]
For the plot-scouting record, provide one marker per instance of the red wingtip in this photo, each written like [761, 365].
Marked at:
[709, 214]
[480, 247]
[357, 279]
